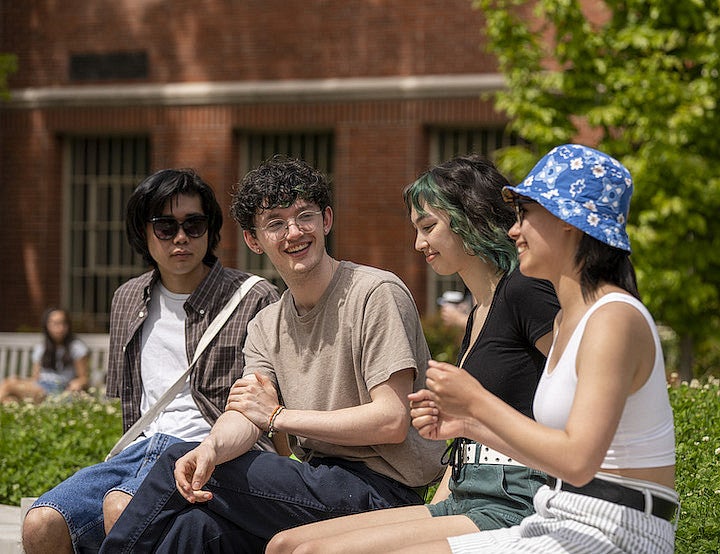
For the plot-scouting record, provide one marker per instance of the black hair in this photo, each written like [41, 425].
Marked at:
[469, 190]
[601, 263]
[278, 182]
[149, 199]
[49, 357]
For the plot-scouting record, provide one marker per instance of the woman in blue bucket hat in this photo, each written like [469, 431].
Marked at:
[604, 427]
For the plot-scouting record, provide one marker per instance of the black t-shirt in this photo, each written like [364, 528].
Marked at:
[504, 358]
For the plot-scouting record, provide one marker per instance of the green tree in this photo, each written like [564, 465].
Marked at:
[638, 79]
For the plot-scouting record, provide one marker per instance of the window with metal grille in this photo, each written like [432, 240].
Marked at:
[316, 148]
[446, 144]
[100, 173]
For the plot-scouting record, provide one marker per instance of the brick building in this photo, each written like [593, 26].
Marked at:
[371, 91]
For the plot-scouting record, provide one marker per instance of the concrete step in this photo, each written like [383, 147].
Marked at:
[10, 529]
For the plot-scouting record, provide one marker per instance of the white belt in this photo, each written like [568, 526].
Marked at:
[474, 453]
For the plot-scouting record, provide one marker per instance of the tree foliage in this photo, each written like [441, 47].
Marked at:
[639, 80]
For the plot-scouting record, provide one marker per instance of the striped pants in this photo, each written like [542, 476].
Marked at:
[576, 524]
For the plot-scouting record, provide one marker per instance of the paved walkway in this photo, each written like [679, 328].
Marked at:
[10, 530]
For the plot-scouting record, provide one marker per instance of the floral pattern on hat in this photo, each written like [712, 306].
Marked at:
[584, 187]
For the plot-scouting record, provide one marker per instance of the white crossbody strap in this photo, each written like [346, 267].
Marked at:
[209, 334]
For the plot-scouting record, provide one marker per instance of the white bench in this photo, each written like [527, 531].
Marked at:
[16, 354]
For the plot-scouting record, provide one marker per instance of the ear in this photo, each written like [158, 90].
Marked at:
[327, 220]
[252, 242]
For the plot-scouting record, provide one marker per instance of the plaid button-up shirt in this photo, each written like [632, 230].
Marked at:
[218, 367]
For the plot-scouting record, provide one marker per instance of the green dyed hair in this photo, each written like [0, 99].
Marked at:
[468, 189]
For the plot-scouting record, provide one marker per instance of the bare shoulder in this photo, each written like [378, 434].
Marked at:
[619, 323]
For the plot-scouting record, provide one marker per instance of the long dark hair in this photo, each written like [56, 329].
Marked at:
[49, 357]
[600, 263]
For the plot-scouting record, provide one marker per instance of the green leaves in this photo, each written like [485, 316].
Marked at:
[639, 79]
[43, 445]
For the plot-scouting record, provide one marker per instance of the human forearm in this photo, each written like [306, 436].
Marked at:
[356, 426]
[231, 436]
[569, 456]
[573, 453]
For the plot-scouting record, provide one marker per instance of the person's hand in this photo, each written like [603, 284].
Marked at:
[429, 421]
[255, 397]
[193, 471]
[453, 389]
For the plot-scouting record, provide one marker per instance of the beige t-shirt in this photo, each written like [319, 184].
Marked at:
[363, 329]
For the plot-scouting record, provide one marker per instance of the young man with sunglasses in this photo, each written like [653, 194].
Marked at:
[156, 321]
[330, 364]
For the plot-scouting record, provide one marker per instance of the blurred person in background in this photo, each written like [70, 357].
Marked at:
[60, 363]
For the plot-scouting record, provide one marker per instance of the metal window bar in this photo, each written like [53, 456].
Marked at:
[446, 144]
[100, 174]
[316, 148]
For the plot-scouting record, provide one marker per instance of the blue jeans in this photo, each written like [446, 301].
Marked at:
[254, 497]
[80, 497]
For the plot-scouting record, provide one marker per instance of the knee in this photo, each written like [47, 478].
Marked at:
[280, 544]
[310, 547]
[45, 528]
[114, 504]
[286, 542]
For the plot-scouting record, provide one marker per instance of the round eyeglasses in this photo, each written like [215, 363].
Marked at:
[165, 227]
[519, 206]
[278, 229]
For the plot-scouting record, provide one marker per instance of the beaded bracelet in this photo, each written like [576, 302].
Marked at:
[271, 426]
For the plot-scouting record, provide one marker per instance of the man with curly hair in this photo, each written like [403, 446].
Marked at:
[330, 364]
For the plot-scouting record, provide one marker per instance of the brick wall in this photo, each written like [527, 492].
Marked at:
[380, 145]
[225, 40]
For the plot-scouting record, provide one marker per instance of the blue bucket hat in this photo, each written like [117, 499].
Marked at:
[583, 187]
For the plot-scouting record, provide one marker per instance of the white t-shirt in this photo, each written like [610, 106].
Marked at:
[62, 374]
[163, 360]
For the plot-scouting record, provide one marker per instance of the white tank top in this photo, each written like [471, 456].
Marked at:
[645, 436]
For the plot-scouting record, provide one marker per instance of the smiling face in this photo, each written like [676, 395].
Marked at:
[442, 248]
[180, 259]
[300, 252]
[546, 245]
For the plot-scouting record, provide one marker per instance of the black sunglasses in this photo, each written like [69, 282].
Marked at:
[165, 227]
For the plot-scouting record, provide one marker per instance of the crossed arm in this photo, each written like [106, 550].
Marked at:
[252, 401]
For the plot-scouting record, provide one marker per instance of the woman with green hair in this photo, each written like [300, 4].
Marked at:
[461, 224]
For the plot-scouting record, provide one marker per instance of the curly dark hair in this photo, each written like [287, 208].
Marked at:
[278, 182]
[149, 198]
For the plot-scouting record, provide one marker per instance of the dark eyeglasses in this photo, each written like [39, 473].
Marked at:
[518, 204]
[165, 227]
